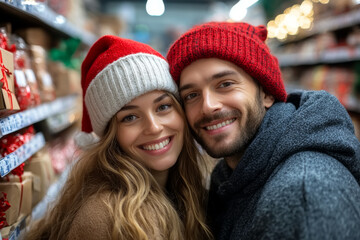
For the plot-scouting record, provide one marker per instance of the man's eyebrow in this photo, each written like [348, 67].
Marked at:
[213, 77]
[222, 74]
[186, 86]
[156, 100]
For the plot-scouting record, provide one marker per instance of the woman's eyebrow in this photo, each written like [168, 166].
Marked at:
[128, 107]
[158, 99]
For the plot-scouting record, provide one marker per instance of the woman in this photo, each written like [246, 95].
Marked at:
[141, 180]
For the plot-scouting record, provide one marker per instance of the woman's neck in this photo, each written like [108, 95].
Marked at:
[161, 177]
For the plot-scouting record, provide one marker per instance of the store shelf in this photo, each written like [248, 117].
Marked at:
[59, 122]
[28, 117]
[51, 195]
[20, 155]
[17, 231]
[331, 23]
[337, 55]
[41, 15]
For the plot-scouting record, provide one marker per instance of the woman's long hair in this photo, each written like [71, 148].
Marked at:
[139, 206]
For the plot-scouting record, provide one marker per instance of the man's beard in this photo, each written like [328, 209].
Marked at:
[245, 136]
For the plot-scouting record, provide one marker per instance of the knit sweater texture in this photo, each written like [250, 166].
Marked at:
[92, 222]
[298, 179]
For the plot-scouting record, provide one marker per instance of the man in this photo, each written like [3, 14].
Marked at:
[290, 165]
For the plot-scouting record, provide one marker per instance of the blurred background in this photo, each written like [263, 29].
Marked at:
[43, 43]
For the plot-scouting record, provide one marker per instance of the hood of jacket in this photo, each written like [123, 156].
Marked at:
[308, 121]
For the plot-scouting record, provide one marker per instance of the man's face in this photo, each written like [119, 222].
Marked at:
[223, 104]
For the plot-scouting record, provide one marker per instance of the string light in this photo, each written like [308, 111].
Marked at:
[239, 10]
[155, 7]
[294, 18]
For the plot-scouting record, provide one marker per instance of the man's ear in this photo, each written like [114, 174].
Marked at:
[268, 99]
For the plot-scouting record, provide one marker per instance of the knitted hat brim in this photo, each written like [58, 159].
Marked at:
[122, 81]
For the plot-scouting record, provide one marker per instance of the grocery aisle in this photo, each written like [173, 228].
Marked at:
[42, 45]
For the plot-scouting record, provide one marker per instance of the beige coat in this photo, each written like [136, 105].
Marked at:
[93, 221]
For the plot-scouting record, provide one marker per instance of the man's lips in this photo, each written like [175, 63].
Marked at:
[219, 124]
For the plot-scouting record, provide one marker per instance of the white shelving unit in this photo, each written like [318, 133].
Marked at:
[331, 23]
[40, 14]
[336, 55]
[28, 117]
[20, 155]
[23, 14]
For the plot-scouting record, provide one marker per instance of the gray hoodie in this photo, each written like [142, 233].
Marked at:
[298, 179]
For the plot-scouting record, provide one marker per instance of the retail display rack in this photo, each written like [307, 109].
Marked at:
[330, 23]
[336, 55]
[307, 52]
[40, 15]
[26, 118]
[23, 14]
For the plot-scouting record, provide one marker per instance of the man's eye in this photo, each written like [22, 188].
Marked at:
[225, 84]
[164, 107]
[190, 96]
[129, 118]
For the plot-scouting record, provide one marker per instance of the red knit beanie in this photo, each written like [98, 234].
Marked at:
[114, 72]
[239, 43]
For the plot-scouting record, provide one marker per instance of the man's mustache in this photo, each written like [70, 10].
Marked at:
[216, 116]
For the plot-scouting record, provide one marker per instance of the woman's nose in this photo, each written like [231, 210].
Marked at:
[152, 125]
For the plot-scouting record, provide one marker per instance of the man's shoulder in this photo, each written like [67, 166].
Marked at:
[310, 166]
[310, 175]
[311, 193]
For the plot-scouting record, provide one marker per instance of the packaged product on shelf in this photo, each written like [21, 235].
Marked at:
[40, 166]
[339, 7]
[338, 81]
[16, 230]
[4, 39]
[22, 90]
[8, 101]
[34, 87]
[19, 176]
[35, 36]
[45, 82]
[13, 141]
[63, 152]
[325, 41]
[66, 81]
[353, 39]
[4, 206]
[19, 196]
[26, 89]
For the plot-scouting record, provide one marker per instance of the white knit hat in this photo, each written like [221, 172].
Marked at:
[114, 72]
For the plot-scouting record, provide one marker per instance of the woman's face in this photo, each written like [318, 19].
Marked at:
[150, 130]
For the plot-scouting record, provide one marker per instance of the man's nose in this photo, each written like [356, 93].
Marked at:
[210, 102]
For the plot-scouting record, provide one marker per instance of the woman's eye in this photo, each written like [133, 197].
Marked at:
[225, 84]
[129, 118]
[164, 107]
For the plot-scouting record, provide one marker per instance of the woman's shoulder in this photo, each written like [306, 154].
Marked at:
[92, 221]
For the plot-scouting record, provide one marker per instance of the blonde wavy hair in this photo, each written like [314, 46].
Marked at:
[133, 196]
